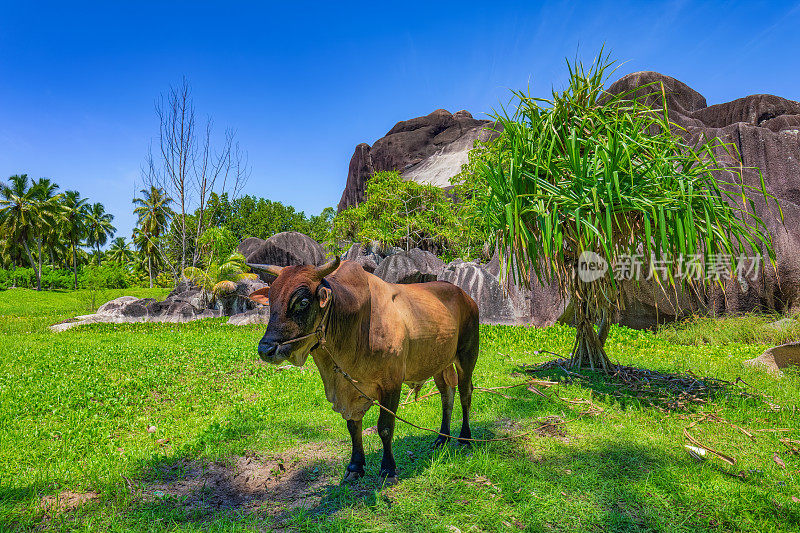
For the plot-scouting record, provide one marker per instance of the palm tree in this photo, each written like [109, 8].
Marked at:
[48, 214]
[98, 227]
[119, 251]
[75, 213]
[588, 174]
[147, 249]
[26, 210]
[154, 213]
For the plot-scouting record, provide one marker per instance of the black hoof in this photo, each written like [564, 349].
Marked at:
[389, 477]
[353, 473]
[465, 443]
[440, 441]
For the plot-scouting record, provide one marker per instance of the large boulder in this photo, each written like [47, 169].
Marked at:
[115, 307]
[763, 134]
[259, 315]
[367, 262]
[129, 309]
[763, 131]
[282, 249]
[184, 304]
[187, 291]
[777, 358]
[400, 268]
[494, 304]
[414, 266]
[429, 149]
[429, 265]
[541, 304]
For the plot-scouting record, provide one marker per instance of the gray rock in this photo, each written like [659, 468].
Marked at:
[356, 250]
[494, 305]
[763, 129]
[283, 249]
[401, 268]
[367, 262]
[183, 287]
[428, 264]
[115, 307]
[376, 248]
[252, 316]
[777, 358]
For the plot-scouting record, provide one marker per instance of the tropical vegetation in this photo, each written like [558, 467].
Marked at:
[221, 267]
[589, 171]
[42, 228]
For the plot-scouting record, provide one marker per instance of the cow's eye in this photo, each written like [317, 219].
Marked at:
[302, 304]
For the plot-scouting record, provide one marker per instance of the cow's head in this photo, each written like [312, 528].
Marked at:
[297, 300]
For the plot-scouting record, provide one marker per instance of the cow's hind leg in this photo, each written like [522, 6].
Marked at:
[390, 400]
[355, 469]
[467, 356]
[465, 394]
[448, 395]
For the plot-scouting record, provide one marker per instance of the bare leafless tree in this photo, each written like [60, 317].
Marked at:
[189, 167]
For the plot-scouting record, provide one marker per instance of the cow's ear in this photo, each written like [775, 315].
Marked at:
[324, 295]
[260, 296]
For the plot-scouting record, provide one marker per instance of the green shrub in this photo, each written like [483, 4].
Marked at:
[407, 214]
[106, 276]
[56, 278]
[165, 280]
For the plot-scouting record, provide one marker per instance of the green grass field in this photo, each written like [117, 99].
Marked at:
[237, 445]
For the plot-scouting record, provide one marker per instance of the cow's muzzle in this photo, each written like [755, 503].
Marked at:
[267, 351]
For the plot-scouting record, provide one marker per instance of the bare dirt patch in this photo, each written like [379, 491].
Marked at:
[547, 427]
[247, 484]
[553, 427]
[65, 501]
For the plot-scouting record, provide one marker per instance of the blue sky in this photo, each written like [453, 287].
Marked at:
[303, 83]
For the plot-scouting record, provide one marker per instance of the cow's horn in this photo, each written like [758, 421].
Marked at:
[269, 269]
[327, 268]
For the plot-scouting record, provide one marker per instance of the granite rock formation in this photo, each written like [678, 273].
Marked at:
[763, 133]
[282, 249]
[429, 149]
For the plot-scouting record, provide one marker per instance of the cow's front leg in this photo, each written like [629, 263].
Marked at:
[390, 400]
[355, 469]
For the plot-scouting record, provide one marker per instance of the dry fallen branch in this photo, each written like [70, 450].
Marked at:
[727, 458]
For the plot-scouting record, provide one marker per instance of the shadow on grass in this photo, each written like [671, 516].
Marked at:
[614, 488]
[301, 484]
[640, 387]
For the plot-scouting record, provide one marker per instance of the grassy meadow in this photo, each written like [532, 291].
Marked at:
[152, 427]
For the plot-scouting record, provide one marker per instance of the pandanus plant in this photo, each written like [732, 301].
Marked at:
[590, 171]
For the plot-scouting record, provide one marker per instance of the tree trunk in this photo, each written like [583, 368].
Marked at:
[150, 270]
[39, 272]
[30, 257]
[75, 266]
[588, 349]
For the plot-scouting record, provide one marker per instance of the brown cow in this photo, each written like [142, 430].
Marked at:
[380, 334]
